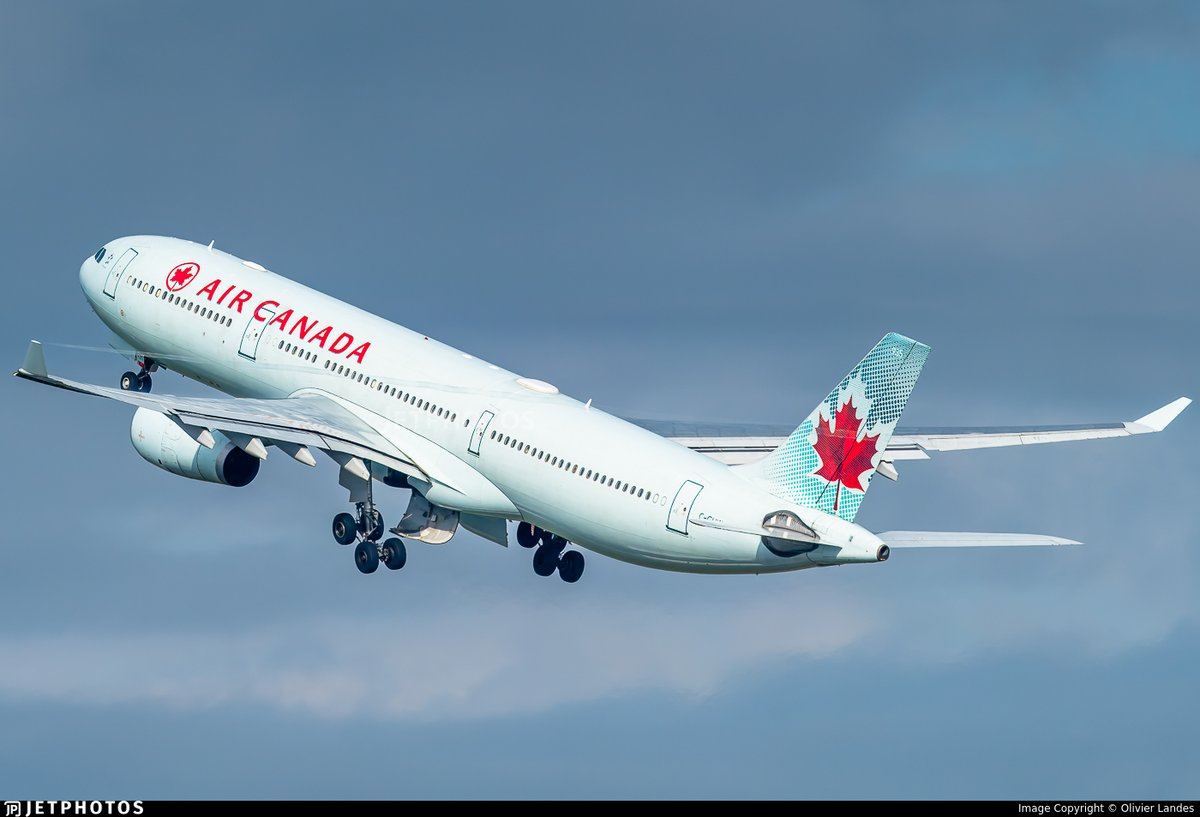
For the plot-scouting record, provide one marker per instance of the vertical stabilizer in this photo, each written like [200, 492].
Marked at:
[827, 463]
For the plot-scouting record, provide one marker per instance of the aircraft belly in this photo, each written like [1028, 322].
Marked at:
[642, 538]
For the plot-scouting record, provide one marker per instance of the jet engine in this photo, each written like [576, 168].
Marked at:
[162, 442]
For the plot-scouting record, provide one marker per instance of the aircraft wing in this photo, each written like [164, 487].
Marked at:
[736, 444]
[311, 420]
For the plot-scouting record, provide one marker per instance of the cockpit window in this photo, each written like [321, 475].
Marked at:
[99, 254]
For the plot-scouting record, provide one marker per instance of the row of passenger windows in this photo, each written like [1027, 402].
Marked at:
[376, 384]
[178, 300]
[303, 354]
[576, 468]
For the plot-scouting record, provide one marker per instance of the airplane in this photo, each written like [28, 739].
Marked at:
[479, 447]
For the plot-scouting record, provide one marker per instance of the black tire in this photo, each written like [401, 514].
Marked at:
[129, 382]
[394, 554]
[366, 556]
[545, 561]
[570, 566]
[144, 383]
[344, 529]
[374, 531]
[527, 535]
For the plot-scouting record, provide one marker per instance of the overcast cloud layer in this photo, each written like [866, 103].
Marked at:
[679, 210]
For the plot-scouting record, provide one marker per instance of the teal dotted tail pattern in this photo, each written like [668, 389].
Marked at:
[827, 463]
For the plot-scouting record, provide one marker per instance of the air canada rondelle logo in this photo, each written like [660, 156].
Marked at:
[182, 275]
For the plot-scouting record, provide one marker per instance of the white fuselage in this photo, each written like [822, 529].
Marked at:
[512, 448]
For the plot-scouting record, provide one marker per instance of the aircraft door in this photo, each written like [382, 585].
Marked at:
[685, 497]
[254, 332]
[116, 270]
[481, 428]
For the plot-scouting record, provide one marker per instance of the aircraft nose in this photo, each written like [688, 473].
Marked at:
[88, 262]
[90, 273]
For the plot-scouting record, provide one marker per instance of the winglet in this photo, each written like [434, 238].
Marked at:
[1160, 419]
[35, 361]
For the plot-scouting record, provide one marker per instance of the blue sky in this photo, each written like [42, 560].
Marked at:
[693, 210]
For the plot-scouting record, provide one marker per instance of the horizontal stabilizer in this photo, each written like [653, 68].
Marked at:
[959, 539]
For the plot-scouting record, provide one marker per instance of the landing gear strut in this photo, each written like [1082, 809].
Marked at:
[548, 555]
[366, 525]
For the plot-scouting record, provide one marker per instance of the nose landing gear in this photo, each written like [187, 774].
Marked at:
[139, 381]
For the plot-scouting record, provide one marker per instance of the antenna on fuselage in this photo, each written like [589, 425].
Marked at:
[210, 244]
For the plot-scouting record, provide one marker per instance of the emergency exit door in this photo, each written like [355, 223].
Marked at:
[254, 332]
[681, 508]
[481, 428]
[115, 271]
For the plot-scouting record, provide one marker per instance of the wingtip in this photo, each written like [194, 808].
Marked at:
[1159, 419]
[35, 361]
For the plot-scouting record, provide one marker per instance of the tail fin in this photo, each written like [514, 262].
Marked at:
[827, 462]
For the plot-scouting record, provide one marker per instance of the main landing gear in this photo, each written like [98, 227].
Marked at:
[548, 555]
[366, 525]
[139, 381]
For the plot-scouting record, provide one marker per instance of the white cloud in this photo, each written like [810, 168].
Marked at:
[484, 655]
[498, 659]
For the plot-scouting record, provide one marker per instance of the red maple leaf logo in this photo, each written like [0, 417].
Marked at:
[844, 457]
[181, 276]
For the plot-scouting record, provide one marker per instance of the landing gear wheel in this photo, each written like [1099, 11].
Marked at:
[366, 556]
[129, 382]
[344, 529]
[527, 535]
[570, 566]
[144, 383]
[394, 554]
[371, 525]
[545, 561]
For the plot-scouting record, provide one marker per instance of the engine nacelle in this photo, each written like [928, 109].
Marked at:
[161, 441]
